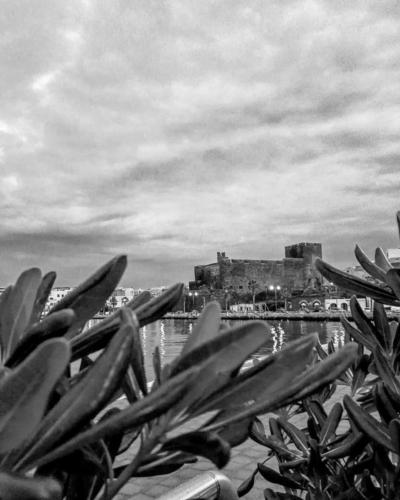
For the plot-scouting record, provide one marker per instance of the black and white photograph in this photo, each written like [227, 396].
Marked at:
[199, 247]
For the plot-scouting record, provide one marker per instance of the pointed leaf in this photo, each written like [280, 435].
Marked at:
[360, 373]
[393, 280]
[220, 359]
[98, 336]
[52, 326]
[205, 444]
[372, 269]
[331, 424]
[239, 342]
[363, 323]
[18, 309]
[257, 432]
[394, 430]
[90, 296]
[385, 371]
[382, 261]
[277, 478]
[246, 485]
[367, 424]
[383, 403]
[42, 295]
[382, 327]
[269, 377]
[206, 327]
[274, 495]
[298, 438]
[25, 391]
[313, 379]
[354, 284]
[129, 418]
[87, 397]
[349, 447]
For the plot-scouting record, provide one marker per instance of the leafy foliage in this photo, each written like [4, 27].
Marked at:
[61, 428]
[352, 451]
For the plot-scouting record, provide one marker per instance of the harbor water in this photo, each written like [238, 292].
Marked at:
[171, 334]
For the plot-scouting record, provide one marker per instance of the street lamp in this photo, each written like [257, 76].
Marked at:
[193, 295]
[276, 289]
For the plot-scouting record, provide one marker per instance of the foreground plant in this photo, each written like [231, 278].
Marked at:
[352, 451]
[60, 434]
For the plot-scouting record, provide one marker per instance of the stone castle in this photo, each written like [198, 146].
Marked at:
[294, 274]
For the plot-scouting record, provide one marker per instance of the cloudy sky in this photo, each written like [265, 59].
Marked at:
[168, 130]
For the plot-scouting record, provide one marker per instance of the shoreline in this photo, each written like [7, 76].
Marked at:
[279, 316]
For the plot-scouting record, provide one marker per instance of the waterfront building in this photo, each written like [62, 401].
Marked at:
[57, 293]
[293, 274]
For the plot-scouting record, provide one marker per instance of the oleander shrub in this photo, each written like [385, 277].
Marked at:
[352, 450]
[63, 430]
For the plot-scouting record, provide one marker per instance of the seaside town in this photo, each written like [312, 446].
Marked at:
[200, 256]
[253, 288]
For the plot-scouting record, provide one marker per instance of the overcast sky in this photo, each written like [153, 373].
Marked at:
[170, 130]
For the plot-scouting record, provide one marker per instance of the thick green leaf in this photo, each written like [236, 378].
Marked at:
[87, 397]
[354, 284]
[360, 373]
[368, 424]
[325, 371]
[384, 404]
[240, 342]
[53, 326]
[357, 335]
[90, 296]
[268, 378]
[16, 309]
[206, 444]
[331, 424]
[220, 358]
[137, 356]
[385, 371]
[98, 336]
[364, 324]
[156, 308]
[275, 477]
[257, 432]
[305, 385]
[393, 280]
[372, 269]
[246, 486]
[298, 437]
[382, 327]
[274, 495]
[206, 327]
[42, 295]
[349, 447]
[25, 391]
[134, 416]
[16, 487]
[382, 261]
[394, 431]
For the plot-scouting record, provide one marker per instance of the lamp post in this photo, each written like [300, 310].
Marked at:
[276, 289]
[252, 287]
[193, 295]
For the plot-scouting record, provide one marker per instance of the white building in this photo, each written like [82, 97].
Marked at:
[56, 294]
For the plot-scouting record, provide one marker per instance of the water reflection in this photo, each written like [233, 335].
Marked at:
[171, 334]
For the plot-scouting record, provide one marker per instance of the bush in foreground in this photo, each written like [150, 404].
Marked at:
[351, 451]
[60, 433]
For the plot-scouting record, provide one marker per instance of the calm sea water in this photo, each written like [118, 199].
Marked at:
[170, 335]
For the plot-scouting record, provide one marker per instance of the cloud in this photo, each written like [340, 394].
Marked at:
[172, 130]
